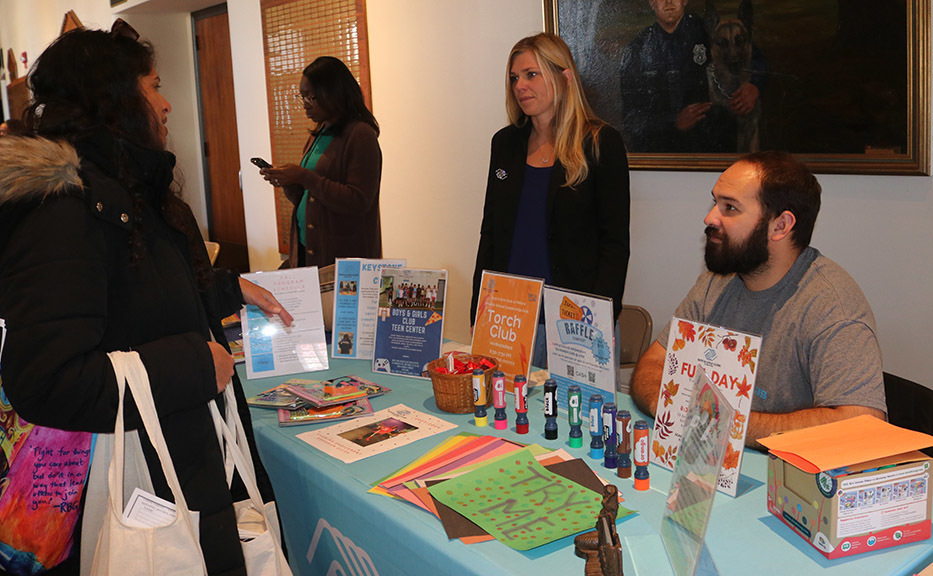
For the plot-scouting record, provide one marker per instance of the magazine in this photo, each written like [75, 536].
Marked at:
[312, 415]
[336, 390]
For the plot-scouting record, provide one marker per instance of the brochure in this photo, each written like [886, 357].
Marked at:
[380, 432]
[271, 348]
[313, 415]
[729, 359]
[580, 344]
[356, 300]
[410, 328]
[336, 390]
[506, 322]
[278, 397]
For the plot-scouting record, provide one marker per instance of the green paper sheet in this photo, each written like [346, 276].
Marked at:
[521, 503]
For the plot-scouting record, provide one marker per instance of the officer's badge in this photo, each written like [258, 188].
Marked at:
[699, 54]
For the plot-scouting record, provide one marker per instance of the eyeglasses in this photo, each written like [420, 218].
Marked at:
[309, 100]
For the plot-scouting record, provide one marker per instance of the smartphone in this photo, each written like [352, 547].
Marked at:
[260, 163]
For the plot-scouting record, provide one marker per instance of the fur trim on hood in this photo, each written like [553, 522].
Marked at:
[35, 168]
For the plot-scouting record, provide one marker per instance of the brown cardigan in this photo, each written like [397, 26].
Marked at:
[343, 203]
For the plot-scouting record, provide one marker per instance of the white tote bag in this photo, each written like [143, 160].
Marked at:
[124, 550]
[262, 549]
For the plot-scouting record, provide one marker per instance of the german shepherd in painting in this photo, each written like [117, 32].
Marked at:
[730, 67]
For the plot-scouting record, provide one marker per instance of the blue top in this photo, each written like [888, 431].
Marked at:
[530, 255]
[309, 162]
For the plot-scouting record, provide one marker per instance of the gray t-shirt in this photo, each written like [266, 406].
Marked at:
[819, 341]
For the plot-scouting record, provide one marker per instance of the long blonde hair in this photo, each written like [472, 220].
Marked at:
[574, 120]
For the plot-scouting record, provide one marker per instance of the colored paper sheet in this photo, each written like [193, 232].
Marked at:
[844, 443]
[730, 359]
[520, 502]
[506, 322]
[576, 470]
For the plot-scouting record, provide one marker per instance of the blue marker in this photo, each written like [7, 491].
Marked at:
[550, 409]
[609, 435]
[479, 397]
[574, 399]
[596, 426]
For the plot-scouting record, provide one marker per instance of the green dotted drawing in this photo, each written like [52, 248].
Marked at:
[521, 503]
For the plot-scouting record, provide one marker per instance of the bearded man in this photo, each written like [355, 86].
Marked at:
[820, 360]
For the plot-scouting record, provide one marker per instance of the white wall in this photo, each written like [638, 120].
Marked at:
[438, 92]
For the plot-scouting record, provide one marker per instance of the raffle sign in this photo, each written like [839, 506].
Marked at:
[729, 359]
[580, 346]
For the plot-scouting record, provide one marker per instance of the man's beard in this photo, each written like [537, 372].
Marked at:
[745, 258]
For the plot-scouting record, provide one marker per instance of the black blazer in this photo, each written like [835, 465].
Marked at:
[588, 227]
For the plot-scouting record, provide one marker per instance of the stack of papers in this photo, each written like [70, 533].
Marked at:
[483, 488]
[312, 401]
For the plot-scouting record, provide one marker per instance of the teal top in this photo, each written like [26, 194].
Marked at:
[309, 162]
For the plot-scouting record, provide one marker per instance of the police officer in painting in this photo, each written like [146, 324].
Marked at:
[665, 98]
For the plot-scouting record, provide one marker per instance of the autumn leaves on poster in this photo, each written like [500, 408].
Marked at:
[730, 360]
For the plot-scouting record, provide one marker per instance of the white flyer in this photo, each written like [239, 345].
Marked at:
[356, 302]
[270, 347]
[580, 343]
[360, 438]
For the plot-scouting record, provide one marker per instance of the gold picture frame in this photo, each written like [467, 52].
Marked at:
[845, 92]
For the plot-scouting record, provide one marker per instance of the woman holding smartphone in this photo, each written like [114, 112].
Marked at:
[335, 188]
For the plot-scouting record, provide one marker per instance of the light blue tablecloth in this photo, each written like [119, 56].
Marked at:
[334, 526]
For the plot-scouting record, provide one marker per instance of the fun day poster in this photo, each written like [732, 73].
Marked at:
[729, 359]
[580, 344]
[506, 322]
[410, 324]
[356, 300]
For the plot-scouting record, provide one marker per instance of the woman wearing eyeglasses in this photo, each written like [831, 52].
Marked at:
[335, 188]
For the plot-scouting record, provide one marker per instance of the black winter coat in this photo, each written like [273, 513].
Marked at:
[69, 294]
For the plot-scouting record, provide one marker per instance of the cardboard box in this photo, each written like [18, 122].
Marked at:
[822, 486]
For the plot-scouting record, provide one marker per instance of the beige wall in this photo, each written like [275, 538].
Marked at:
[437, 76]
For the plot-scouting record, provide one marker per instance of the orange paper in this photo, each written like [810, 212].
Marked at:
[844, 443]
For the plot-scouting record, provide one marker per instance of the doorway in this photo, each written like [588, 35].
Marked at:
[221, 151]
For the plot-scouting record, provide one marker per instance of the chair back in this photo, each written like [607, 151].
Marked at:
[633, 334]
[213, 249]
[910, 405]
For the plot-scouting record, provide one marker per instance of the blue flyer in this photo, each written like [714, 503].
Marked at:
[356, 300]
[410, 320]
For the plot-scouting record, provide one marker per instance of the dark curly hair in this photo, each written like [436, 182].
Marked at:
[88, 80]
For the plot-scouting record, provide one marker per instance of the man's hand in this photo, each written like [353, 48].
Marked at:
[259, 296]
[646, 380]
[744, 99]
[689, 116]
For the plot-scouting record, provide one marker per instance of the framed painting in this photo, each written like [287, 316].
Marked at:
[842, 84]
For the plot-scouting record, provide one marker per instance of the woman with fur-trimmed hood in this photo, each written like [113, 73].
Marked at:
[99, 253]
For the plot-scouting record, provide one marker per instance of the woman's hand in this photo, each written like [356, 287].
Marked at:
[285, 175]
[259, 296]
[223, 365]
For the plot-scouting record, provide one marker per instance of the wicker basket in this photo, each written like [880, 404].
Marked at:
[454, 392]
